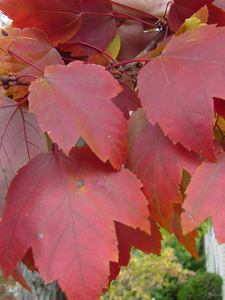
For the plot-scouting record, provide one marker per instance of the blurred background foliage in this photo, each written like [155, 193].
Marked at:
[175, 275]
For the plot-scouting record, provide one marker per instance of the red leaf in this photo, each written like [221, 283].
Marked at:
[18, 276]
[20, 140]
[59, 19]
[73, 101]
[219, 106]
[127, 101]
[183, 9]
[216, 15]
[33, 46]
[96, 30]
[65, 208]
[205, 197]
[158, 164]
[114, 272]
[187, 240]
[181, 102]
[28, 260]
[129, 237]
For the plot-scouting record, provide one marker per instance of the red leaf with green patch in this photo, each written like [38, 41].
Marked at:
[184, 9]
[219, 106]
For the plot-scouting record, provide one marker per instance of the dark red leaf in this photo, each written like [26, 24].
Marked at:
[129, 237]
[18, 276]
[73, 101]
[65, 209]
[20, 140]
[216, 15]
[114, 272]
[219, 106]
[96, 30]
[127, 101]
[181, 102]
[187, 240]
[60, 20]
[158, 164]
[205, 198]
[28, 260]
[184, 9]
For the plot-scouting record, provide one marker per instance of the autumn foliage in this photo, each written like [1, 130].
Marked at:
[103, 140]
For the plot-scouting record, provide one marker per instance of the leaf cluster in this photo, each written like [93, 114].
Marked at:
[150, 115]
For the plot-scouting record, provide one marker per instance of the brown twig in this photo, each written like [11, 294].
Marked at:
[153, 43]
[11, 80]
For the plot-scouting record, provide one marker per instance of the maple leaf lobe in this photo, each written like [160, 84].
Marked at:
[85, 238]
[74, 101]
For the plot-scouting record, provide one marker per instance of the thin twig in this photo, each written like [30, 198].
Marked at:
[153, 43]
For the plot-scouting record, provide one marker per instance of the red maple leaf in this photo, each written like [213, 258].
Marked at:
[60, 20]
[219, 106]
[73, 101]
[176, 88]
[205, 197]
[158, 164]
[184, 9]
[18, 276]
[127, 101]
[65, 209]
[187, 240]
[97, 29]
[129, 237]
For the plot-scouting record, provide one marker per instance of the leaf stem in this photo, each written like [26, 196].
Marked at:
[27, 75]
[118, 15]
[135, 9]
[134, 18]
[97, 49]
[25, 60]
[22, 101]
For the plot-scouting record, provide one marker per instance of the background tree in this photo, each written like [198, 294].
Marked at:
[152, 118]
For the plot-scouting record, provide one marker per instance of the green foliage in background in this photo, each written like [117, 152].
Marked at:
[148, 277]
[183, 256]
[203, 286]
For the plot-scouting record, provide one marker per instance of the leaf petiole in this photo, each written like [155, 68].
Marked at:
[136, 9]
[25, 60]
[119, 16]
